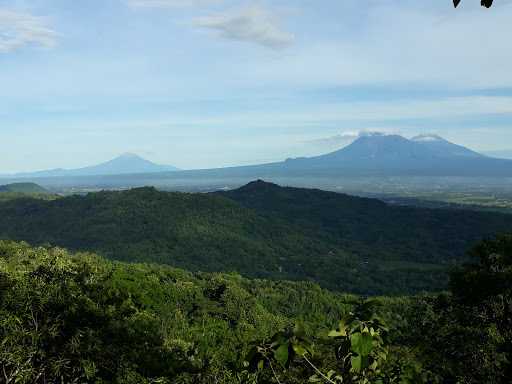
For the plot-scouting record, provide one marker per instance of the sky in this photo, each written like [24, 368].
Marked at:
[213, 83]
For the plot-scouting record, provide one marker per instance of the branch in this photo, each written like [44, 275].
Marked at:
[274, 372]
[317, 370]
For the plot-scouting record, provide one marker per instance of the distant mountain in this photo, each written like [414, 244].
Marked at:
[394, 154]
[375, 155]
[127, 163]
[23, 188]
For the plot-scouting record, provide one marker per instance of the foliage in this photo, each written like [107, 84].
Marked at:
[467, 336]
[459, 337]
[360, 349]
[79, 318]
[344, 243]
[62, 321]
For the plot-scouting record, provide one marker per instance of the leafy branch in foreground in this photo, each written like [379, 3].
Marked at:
[361, 353]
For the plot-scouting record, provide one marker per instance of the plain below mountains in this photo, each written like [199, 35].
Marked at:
[127, 163]
[262, 230]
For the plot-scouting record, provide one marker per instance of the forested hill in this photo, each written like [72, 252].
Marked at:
[342, 242]
[22, 188]
[371, 227]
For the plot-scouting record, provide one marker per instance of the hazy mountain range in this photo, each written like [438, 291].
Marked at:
[371, 154]
[127, 163]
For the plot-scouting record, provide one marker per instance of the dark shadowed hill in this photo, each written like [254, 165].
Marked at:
[262, 230]
[370, 227]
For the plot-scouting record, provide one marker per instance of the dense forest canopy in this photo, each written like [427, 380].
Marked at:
[79, 318]
[262, 230]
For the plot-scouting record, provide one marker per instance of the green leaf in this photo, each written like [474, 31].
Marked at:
[359, 363]
[340, 332]
[331, 373]
[356, 362]
[299, 330]
[281, 354]
[299, 349]
[336, 334]
[342, 326]
[362, 343]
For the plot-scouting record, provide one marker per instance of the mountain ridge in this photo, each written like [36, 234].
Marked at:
[393, 154]
[126, 163]
[373, 155]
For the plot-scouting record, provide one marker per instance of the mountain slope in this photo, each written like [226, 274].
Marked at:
[262, 230]
[369, 226]
[443, 148]
[23, 188]
[127, 163]
[394, 154]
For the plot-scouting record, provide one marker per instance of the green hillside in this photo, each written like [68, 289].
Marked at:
[344, 243]
[23, 188]
[372, 228]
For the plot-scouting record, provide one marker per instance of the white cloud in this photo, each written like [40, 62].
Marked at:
[19, 29]
[171, 3]
[253, 24]
[331, 143]
[411, 43]
[341, 139]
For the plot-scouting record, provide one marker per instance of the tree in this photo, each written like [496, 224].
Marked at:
[466, 336]
[62, 320]
[484, 3]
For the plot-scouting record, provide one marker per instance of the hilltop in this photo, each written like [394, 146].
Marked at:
[28, 188]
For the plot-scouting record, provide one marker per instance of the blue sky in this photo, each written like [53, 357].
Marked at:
[208, 83]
